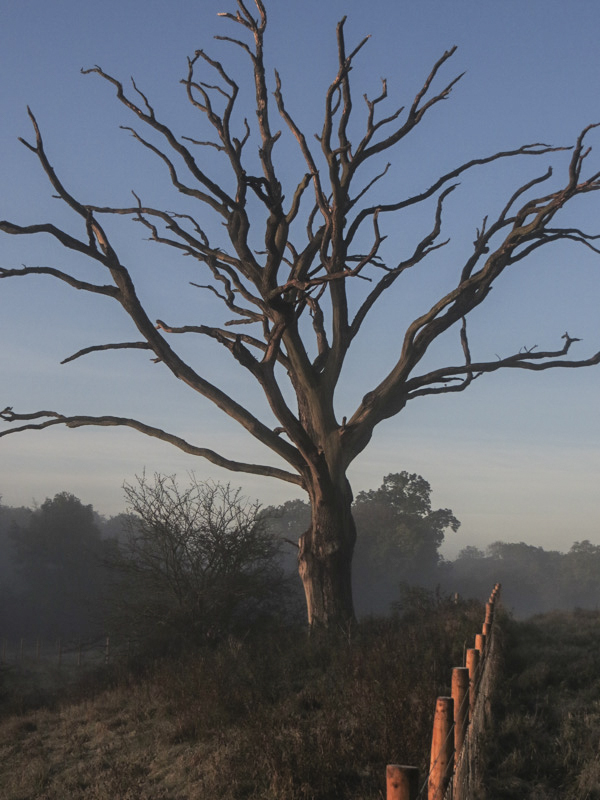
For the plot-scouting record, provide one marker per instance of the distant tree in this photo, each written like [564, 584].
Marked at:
[581, 572]
[195, 561]
[12, 619]
[115, 527]
[534, 580]
[302, 268]
[471, 552]
[59, 555]
[9, 517]
[400, 537]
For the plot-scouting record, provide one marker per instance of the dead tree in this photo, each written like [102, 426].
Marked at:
[305, 273]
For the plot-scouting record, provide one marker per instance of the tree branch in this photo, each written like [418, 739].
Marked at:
[51, 418]
[530, 358]
[528, 149]
[98, 347]
[220, 200]
[71, 280]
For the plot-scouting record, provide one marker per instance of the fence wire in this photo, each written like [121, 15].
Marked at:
[464, 772]
[29, 652]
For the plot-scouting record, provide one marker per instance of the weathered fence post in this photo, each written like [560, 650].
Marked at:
[472, 661]
[402, 782]
[460, 695]
[480, 641]
[442, 749]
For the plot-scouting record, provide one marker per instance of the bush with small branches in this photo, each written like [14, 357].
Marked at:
[196, 561]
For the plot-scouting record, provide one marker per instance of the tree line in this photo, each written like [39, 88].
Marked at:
[190, 563]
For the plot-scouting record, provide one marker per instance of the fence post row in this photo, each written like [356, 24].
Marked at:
[459, 722]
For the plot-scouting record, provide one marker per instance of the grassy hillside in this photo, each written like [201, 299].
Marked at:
[273, 716]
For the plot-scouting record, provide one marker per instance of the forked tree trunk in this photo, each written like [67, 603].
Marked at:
[325, 558]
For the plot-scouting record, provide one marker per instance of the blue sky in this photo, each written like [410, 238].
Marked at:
[516, 457]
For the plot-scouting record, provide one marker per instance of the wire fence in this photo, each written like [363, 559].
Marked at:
[31, 653]
[459, 726]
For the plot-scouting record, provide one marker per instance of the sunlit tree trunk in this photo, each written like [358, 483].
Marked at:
[325, 557]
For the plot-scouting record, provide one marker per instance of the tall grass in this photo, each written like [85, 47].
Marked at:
[548, 713]
[274, 715]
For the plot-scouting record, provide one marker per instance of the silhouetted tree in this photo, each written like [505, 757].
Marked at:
[195, 561]
[534, 580]
[59, 556]
[293, 283]
[399, 536]
[399, 539]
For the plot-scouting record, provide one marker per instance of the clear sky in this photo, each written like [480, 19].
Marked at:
[517, 456]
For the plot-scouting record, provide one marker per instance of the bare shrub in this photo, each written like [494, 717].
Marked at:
[196, 561]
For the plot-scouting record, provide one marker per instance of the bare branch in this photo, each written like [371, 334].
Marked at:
[98, 347]
[305, 150]
[219, 334]
[51, 418]
[530, 359]
[220, 200]
[528, 149]
[71, 280]
[415, 115]
[424, 247]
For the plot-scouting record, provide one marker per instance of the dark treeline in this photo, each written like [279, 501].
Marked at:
[534, 580]
[398, 551]
[197, 561]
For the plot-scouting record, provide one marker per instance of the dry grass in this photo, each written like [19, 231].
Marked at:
[273, 717]
[548, 715]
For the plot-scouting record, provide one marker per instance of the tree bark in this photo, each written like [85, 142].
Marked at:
[325, 557]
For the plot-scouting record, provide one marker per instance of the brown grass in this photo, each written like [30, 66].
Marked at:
[273, 717]
[548, 712]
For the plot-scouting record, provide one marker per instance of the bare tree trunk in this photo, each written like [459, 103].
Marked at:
[325, 558]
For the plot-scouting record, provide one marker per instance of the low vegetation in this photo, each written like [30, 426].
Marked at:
[275, 715]
[548, 711]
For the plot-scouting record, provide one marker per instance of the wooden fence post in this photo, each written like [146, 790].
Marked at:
[442, 749]
[460, 695]
[480, 641]
[402, 782]
[473, 658]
